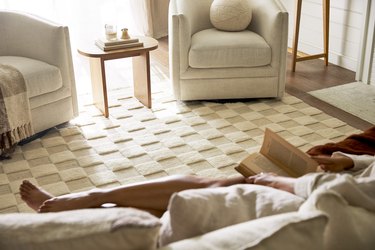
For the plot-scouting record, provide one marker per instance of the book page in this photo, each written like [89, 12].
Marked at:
[256, 163]
[295, 162]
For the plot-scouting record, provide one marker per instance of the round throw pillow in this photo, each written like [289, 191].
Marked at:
[230, 15]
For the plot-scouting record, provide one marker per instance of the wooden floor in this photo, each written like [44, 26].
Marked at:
[310, 75]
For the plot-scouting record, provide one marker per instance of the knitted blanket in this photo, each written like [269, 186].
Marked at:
[15, 117]
[358, 144]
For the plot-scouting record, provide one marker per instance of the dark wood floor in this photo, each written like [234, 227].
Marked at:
[310, 75]
[314, 75]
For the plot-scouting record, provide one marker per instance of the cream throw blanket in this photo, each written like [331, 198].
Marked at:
[15, 117]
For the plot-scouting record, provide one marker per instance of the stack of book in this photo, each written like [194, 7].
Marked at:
[108, 45]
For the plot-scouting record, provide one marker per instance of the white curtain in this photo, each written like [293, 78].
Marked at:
[151, 17]
[86, 19]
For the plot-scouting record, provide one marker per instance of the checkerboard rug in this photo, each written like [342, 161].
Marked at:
[136, 143]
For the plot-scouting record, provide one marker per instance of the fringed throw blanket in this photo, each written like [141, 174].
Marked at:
[15, 118]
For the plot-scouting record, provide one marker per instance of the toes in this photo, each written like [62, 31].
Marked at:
[29, 185]
[23, 193]
[26, 185]
[25, 181]
[23, 189]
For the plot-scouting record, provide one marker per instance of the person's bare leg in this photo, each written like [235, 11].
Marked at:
[151, 195]
[32, 195]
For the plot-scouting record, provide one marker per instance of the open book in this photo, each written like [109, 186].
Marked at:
[278, 156]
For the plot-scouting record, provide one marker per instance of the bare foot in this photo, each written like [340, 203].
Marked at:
[90, 199]
[32, 195]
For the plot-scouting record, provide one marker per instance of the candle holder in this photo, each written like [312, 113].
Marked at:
[125, 34]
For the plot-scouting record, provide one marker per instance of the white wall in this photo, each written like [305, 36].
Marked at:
[346, 21]
[371, 79]
[366, 70]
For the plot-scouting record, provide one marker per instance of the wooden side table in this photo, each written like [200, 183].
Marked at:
[141, 71]
[295, 59]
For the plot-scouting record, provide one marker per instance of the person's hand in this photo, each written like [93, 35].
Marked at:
[272, 180]
[265, 179]
[335, 163]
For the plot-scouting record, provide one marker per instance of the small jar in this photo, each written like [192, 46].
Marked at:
[125, 34]
[110, 31]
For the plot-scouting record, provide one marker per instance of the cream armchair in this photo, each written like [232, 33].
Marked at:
[206, 63]
[41, 51]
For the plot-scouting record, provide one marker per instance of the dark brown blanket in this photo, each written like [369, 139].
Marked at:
[358, 144]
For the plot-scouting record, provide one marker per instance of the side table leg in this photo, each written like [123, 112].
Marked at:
[296, 33]
[99, 85]
[326, 10]
[142, 78]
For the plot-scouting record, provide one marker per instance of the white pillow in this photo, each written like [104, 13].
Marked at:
[292, 231]
[198, 211]
[105, 228]
[230, 15]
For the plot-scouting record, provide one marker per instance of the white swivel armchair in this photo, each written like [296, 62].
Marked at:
[206, 63]
[41, 51]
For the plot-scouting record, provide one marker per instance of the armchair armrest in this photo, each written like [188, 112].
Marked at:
[185, 19]
[270, 20]
[196, 12]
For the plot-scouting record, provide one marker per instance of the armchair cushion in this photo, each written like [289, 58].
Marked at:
[233, 15]
[40, 77]
[212, 48]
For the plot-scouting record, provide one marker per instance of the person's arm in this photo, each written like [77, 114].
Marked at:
[335, 163]
[359, 161]
[356, 192]
[273, 180]
[304, 185]
[339, 162]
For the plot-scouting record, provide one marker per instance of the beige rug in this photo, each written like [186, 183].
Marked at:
[355, 98]
[136, 143]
